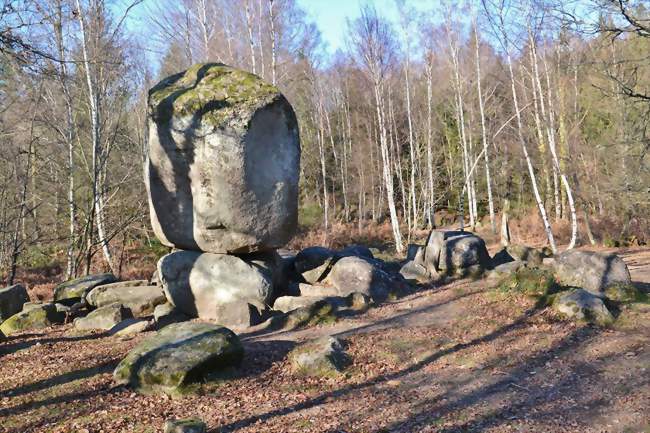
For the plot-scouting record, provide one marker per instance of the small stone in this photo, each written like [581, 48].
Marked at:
[192, 425]
[323, 357]
[130, 326]
[582, 305]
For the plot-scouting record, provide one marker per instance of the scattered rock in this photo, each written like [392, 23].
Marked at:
[198, 283]
[138, 296]
[234, 186]
[178, 355]
[414, 271]
[130, 326]
[37, 316]
[506, 269]
[448, 252]
[313, 263]
[322, 312]
[105, 317]
[520, 253]
[591, 271]
[323, 357]
[359, 274]
[75, 290]
[166, 314]
[193, 425]
[582, 305]
[12, 299]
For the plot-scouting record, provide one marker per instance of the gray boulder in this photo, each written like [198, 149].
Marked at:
[105, 318]
[36, 316]
[582, 305]
[138, 296]
[592, 271]
[191, 425]
[224, 161]
[73, 291]
[178, 355]
[238, 314]
[290, 303]
[317, 290]
[414, 271]
[12, 299]
[323, 357]
[359, 274]
[198, 283]
[450, 252]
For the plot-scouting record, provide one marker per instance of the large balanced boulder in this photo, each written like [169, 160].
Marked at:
[453, 252]
[35, 316]
[198, 284]
[592, 271]
[178, 355]
[138, 296]
[224, 161]
[73, 291]
[12, 299]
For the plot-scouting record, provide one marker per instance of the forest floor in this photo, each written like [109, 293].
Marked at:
[463, 357]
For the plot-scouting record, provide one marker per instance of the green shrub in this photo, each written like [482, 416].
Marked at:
[534, 282]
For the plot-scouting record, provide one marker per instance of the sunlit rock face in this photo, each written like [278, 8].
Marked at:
[224, 160]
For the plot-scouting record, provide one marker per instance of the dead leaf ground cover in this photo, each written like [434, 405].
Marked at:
[463, 357]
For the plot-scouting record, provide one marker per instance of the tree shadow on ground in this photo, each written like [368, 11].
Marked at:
[565, 397]
[325, 397]
[14, 345]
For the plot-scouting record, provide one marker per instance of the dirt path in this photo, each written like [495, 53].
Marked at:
[458, 358]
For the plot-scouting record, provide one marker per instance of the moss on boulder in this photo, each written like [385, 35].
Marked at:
[580, 305]
[624, 293]
[34, 317]
[323, 357]
[178, 355]
[73, 291]
[530, 281]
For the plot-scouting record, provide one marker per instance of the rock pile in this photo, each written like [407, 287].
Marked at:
[222, 178]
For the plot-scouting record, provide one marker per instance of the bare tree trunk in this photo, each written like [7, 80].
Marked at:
[97, 162]
[409, 117]
[203, 22]
[274, 54]
[505, 225]
[430, 202]
[260, 14]
[251, 42]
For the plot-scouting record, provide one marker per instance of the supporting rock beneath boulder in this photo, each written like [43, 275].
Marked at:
[582, 305]
[73, 291]
[12, 299]
[323, 357]
[199, 284]
[178, 355]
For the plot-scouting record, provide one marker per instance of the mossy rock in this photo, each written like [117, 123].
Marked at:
[624, 293]
[34, 317]
[190, 425]
[535, 282]
[322, 312]
[583, 306]
[178, 356]
[323, 357]
[222, 95]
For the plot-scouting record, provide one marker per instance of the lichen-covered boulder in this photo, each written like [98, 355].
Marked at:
[105, 317]
[178, 355]
[592, 271]
[12, 299]
[73, 291]
[198, 283]
[449, 252]
[582, 305]
[323, 357]
[224, 161]
[36, 316]
[166, 314]
[138, 296]
[530, 281]
[624, 293]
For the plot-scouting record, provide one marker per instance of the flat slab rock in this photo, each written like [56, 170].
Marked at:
[104, 318]
[138, 296]
[178, 355]
[75, 290]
